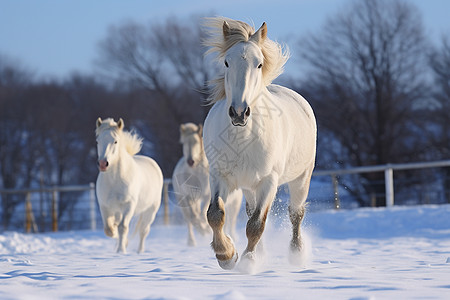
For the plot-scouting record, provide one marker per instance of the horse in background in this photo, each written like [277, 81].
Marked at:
[257, 136]
[127, 185]
[190, 182]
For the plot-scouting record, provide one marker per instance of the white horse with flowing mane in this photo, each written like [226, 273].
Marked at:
[190, 182]
[127, 185]
[257, 136]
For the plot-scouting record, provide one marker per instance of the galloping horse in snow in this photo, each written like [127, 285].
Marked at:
[257, 136]
[127, 185]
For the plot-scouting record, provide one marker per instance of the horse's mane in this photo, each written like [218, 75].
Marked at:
[275, 55]
[131, 140]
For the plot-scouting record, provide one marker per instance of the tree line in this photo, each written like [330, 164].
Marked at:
[379, 87]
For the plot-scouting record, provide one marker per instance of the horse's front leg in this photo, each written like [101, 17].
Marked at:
[123, 227]
[222, 244]
[265, 194]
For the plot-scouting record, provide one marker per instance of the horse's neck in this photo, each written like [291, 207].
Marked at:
[124, 165]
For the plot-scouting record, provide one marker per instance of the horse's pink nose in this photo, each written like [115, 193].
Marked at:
[103, 165]
[190, 162]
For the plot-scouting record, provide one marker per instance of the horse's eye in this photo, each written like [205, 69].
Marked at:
[259, 66]
[115, 142]
[226, 64]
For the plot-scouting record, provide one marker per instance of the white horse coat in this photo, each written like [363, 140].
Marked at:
[127, 185]
[257, 136]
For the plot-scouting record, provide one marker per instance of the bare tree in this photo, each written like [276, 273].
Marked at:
[14, 80]
[164, 67]
[440, 125]
[365, 79]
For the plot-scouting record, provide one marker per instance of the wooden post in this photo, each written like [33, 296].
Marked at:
[54, 210]
[27, 213]
[166, 202]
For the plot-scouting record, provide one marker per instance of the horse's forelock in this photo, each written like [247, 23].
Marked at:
[275, 56]
[131, 140]
[106, 124]
[238, 32]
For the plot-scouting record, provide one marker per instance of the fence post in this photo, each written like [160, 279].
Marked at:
[54, 210]
[389, 185]
[30, 221]
[166, 202]
[27, 213]
[92, 206]
[337, 202]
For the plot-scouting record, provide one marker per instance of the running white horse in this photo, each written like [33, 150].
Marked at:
[127, 185]
[190, 182]
[257, 136]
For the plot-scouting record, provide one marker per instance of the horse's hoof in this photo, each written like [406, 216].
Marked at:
[248, 263]
[230, 263]
[300, 254]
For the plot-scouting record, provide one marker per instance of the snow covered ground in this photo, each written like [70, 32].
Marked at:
[396, 253]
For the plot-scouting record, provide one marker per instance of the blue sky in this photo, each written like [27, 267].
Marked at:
[56, 37]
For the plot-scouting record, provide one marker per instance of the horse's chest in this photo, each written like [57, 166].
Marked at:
[241, 165]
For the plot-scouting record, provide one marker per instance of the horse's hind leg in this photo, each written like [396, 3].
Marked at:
[144, 227]
[298, 189]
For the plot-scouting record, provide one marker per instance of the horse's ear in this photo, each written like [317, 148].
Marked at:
[182, 130]
[200, 129]
[260, 35]
[120, 124]
[226, 30]
[99, 122]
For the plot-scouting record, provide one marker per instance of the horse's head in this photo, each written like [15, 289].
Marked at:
[243, 74]
[108, 143]
[191, 138]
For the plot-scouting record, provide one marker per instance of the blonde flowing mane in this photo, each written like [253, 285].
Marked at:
[275, 55]
[131, 140]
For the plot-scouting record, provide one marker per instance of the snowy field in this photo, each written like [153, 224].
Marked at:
[397, 253]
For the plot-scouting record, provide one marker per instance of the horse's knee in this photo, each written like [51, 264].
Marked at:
[296, 215]
[110, 231]
[123, 228]
[255, 226]
[216, 214]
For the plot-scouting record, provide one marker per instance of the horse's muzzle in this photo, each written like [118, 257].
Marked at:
[239, 119]
[103, 165]
[190, 162]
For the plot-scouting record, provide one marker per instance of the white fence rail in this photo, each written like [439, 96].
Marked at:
[30, 223]
[54, 191]
[388, 175]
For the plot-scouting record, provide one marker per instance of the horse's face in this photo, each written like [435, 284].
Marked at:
[243, 80]
[244, 77]
[191, 138]
[107, 149]
[108, 144]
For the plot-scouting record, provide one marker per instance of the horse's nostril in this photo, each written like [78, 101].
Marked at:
[247, 111]
[232, 112]
[107, 163]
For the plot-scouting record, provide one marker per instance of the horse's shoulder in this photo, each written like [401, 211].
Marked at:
[287, 94]
[282, 91]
